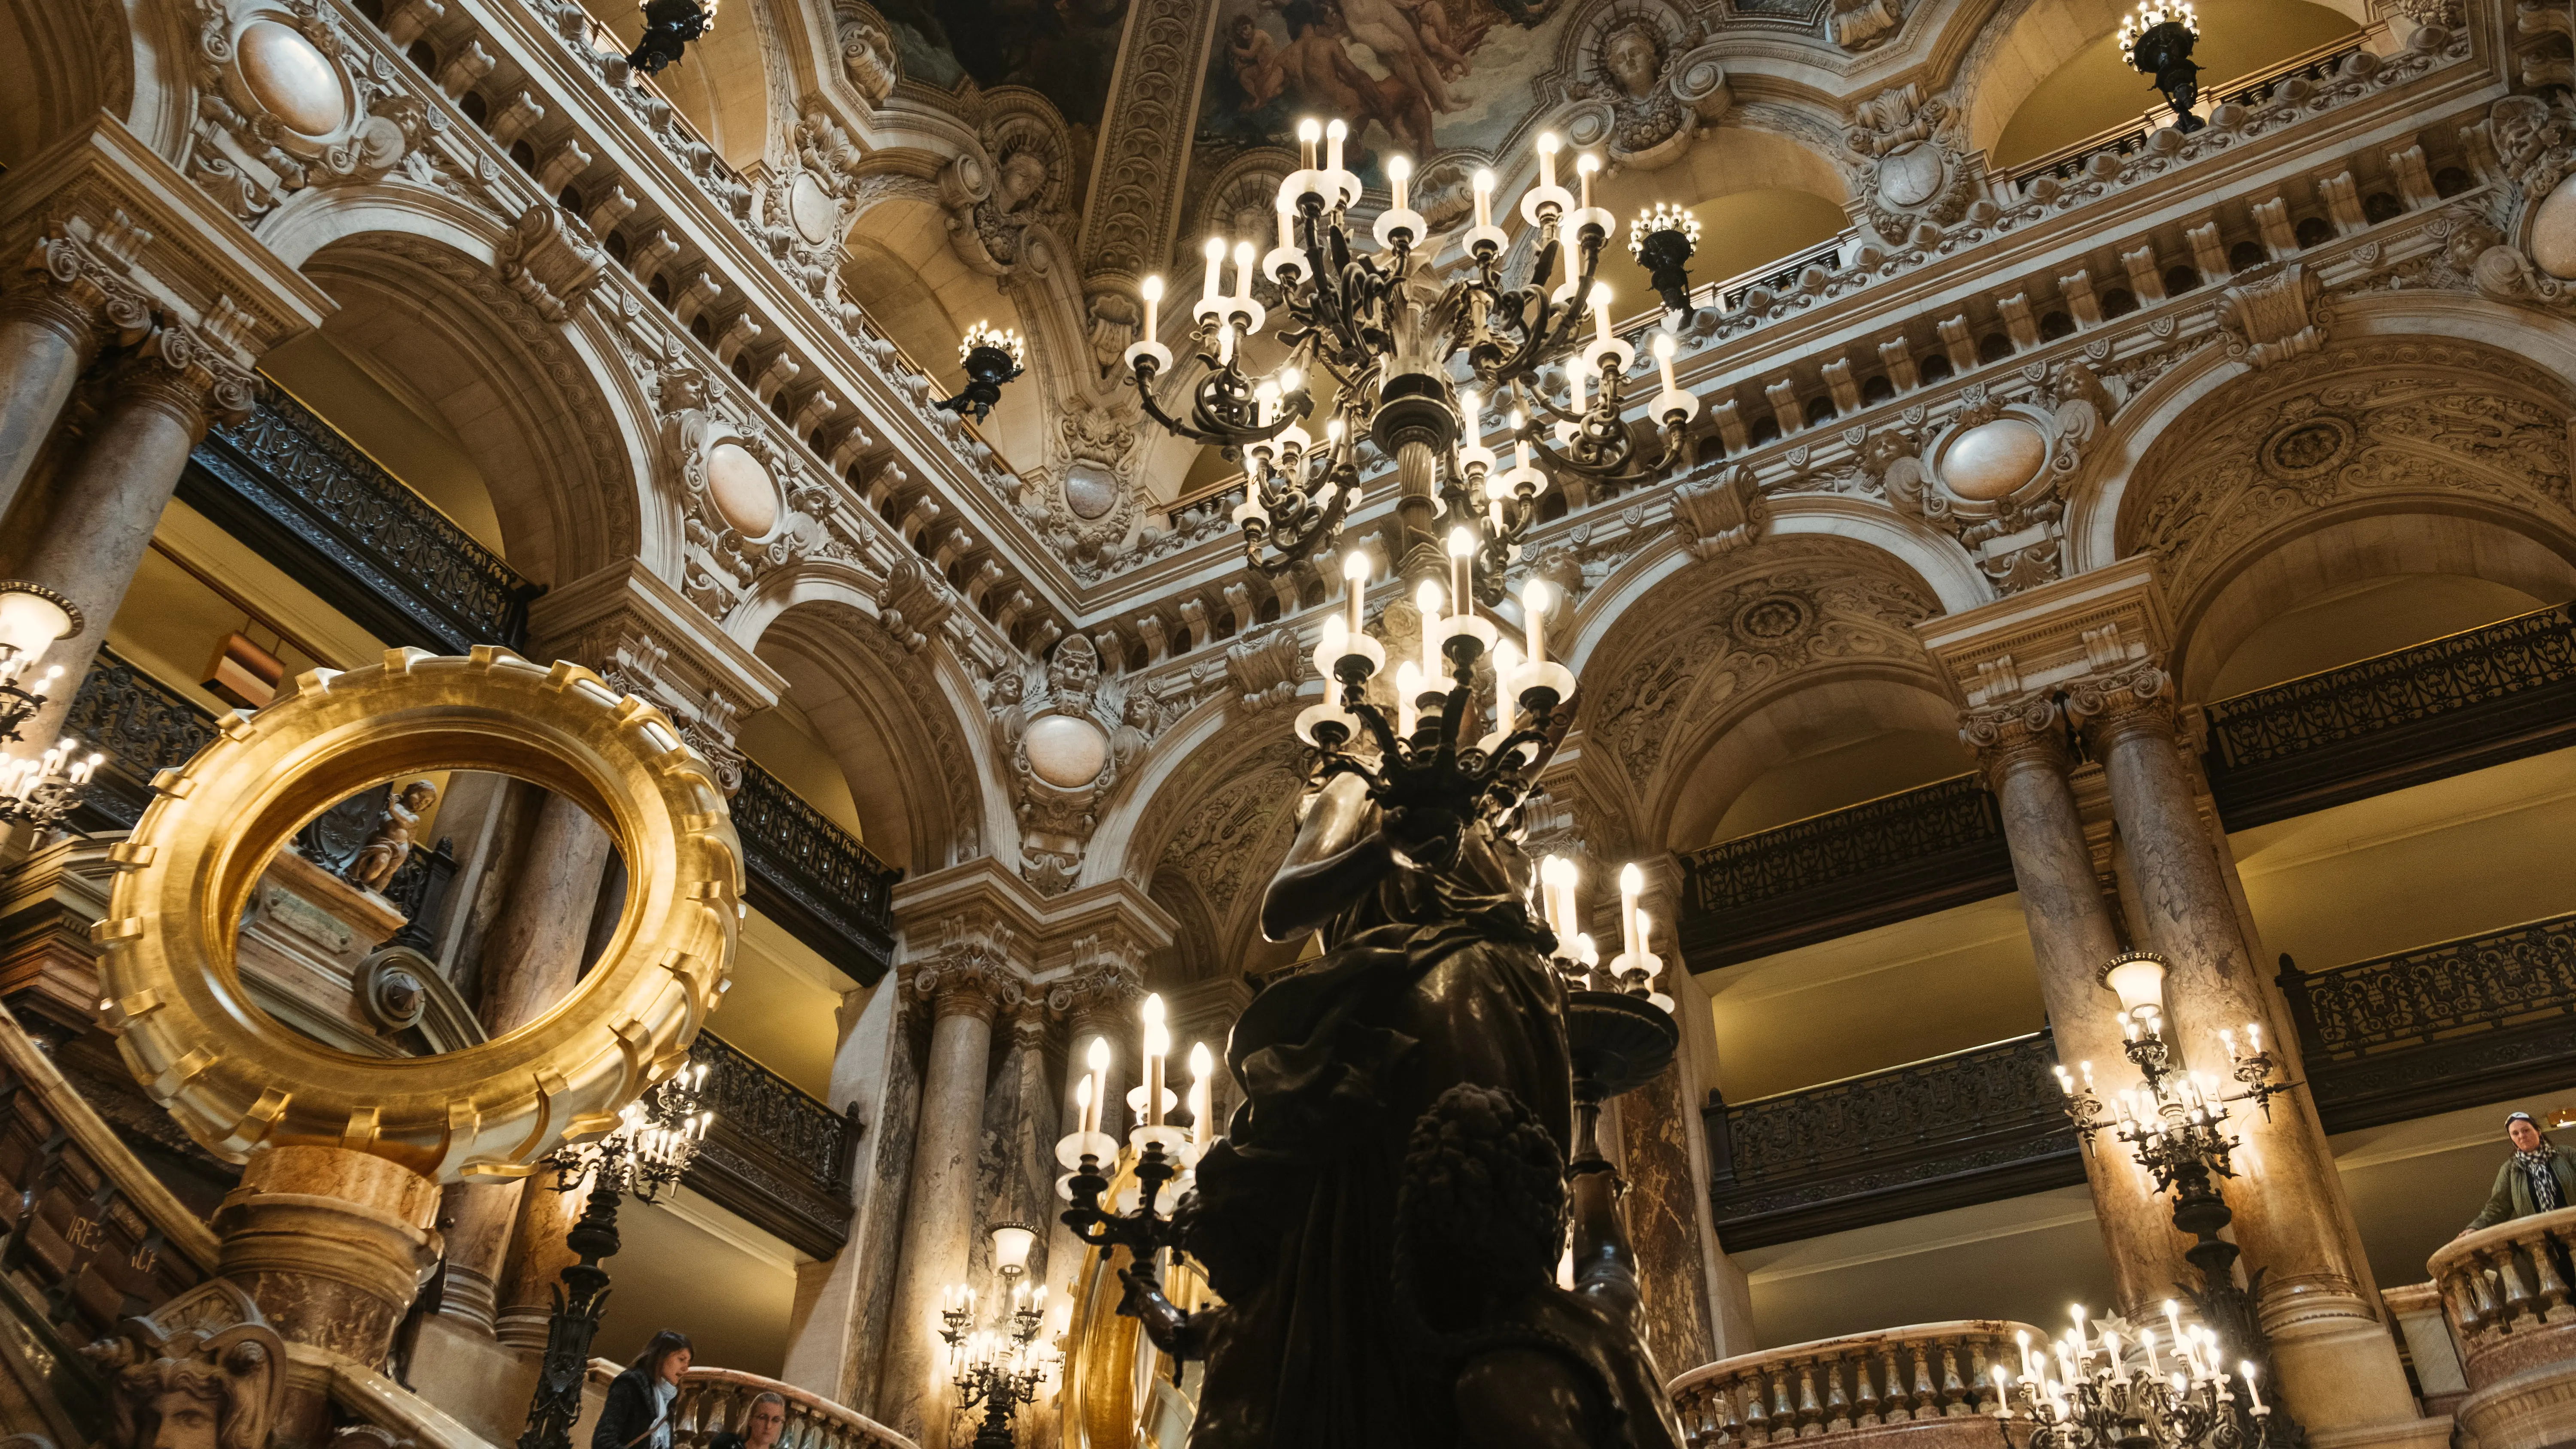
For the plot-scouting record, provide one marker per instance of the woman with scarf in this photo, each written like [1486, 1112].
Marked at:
[638, 1412]
[2538, 1178]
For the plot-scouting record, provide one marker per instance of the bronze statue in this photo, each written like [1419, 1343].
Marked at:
[1384, 1215]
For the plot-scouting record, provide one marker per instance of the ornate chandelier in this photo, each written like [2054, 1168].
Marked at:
[2157, 41]
[1417, 359]
[1001, 1367]
[2117, 1392]
[669, 26]
[39, 789]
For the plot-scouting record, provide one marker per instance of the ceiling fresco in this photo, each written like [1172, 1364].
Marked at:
[1065, 50]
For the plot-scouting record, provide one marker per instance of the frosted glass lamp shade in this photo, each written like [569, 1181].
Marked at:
[2139, 979]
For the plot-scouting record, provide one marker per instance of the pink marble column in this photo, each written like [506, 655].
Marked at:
[2024, 757]
[2337, 1363]
[111, 496]
[51, 326]
[939, 1213]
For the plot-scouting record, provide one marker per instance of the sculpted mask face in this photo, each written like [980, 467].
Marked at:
[1629, 55]
[183, 1420]
[1023, 177]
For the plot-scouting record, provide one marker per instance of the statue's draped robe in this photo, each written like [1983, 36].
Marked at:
[1433, 978]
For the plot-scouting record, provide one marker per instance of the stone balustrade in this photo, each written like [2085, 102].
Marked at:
[1929, 1384]
[717, 1401]
[2507, 1292]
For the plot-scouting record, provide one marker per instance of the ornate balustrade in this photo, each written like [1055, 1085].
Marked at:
[2460, 703]
[1779, 276]
[812, 878]
[143, 726]
[91, 1236]
[715, 1401]
[2507, 1293]
[1829, 875]
[1928, 1384]
[2451, 1025]
[1970, 1127]
[775, 1155]
[289, 486]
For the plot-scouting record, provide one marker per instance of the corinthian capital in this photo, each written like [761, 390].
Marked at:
[1108, 977]
[971, 972]
[2030, 731]
[2134, 698]
[76, 282]
[177, 371]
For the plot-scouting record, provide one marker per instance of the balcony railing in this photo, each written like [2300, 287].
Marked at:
[775, 1155]
[1936, 1380]
[1829, 875]
[288, 485]
[1970, 1127]
[2460, 703]
[2451, 1025]
[812, 878]
[1778, 276]
[143, 726]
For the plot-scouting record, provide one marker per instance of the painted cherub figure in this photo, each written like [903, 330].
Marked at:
[384, 853]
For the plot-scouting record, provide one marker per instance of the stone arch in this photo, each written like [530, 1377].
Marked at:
[1208, 828]
[565, 456]
[72, 62]
[1691, 660]
[904, 274]
[1760, 194]
[899, 724]
[2380, 454]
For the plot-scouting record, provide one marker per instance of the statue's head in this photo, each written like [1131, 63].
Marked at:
[169, 1403]
[1006, 687]
[419, 795]
[1023, 176]
[1633, 56]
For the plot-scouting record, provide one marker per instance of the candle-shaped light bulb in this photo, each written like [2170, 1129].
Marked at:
[1355, 573]
[1158, 1046]
[1083, 1104]
[1535, 598]
[1265, 400]
[1225, 344]
[1519, 422]
[1427, 599]
[1547, 148]
[1287, 224]
[1462, 550]
[1601, 307]
[1399, 170]
[1585, 166]
[1215, 251]
[1632, 884]
[1153, 304]
[1664, 349]
[1309, 131]
[1201, 1100]
[1243, 254]
[2254, 1037]
[1483, 182]
[1576, 370]
[1408, 685]
[2253, 1395]
[1471, 413]
[1334, 135]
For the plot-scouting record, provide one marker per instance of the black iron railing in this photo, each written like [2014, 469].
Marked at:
[2472, 699]
[284, 482]
[1879, 861]
[810, 876]
[143, 726]
[1965, 1128]
[775, 1155]
[2456, 1024]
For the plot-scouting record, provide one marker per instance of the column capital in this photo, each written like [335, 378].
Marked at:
[2045, 640]
[2138, 697]
[176, 372]
[2031, 731]
[970, 972]
[644, 637]
[76, 280]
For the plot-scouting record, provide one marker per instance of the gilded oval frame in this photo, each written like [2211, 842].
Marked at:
[238, 1080]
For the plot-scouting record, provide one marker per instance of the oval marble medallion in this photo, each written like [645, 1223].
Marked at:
[1909, 178]
[811, 209]
[291, 76]
[2553, 231]
[1090, 490]
[1990, 460]
[1066, 750]
[741, 491]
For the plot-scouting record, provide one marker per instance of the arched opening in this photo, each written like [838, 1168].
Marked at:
[60, 79]
[904, 275]
[1760, 197]
[720, 86]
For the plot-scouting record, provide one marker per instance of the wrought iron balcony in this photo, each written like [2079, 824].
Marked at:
[143, 726]
[2452, 1025]
[1970, 1127]
[2455, 704]
[1880, 861]
[812, 878]
[776, 1156]
[304, 497]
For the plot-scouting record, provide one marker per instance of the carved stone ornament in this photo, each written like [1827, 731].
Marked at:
[2274, 319]
[752, 508]
[1716, 516]
[809, 209]
[1913, 180]
[1859, 25]
[79, 275]
[204, 1369]
[913, 602]
[868, 55]
[970, 969]
[548, 263]
[1650, 79]
[2535, 143]
[1084, 503]
[1107, 978]
[1068, 733]
[286, 101]
[2139, 696]
[1266, 667]
[1003, 204]
[2007, 734]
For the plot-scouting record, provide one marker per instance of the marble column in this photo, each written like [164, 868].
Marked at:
[2023, 754]
[2337, 1364]
[531, 961]
[939, 1215]
[51, 326]
[112, 494]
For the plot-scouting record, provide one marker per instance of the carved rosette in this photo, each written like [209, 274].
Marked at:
[1913, 180]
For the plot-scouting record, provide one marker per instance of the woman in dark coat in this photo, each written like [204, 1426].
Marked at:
[638, 1412]
[2538, 1178]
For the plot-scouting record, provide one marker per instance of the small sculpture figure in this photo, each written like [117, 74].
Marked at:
[384, 853]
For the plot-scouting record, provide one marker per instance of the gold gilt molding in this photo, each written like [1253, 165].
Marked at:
[237, 1080]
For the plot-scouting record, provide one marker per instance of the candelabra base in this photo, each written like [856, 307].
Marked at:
[573, 1324]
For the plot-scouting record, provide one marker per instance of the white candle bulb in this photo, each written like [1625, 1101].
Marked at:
[1547, 146]
[1427, 599]
[1584, 167]
[1517, 423]
[1535, 598]
[1632, 883]
[1082, 1104]
[1462, 549]
[1158, 1045]
[1471, 411]
[1153, 305]
[1287, 224]
[1664, 348]
[1243, 254]
[1408, 684]
[2253, 1396]
[1399, 170]
[1355, 572]
[1215, 268]
[1334, 135]
[1484, 184]
[1225, 344]
[1601, 308]
[1309, 131]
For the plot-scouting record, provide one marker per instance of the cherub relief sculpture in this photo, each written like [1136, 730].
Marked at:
[384, 853]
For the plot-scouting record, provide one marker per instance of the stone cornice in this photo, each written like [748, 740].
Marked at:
[2039, 641]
